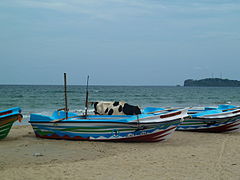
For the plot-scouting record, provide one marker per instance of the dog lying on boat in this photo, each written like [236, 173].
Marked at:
[115, 108]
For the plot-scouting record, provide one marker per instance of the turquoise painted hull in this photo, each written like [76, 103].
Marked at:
[225, 118]
[137, 128]
[7, 118]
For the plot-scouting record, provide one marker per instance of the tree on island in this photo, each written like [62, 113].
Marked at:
[212, 82]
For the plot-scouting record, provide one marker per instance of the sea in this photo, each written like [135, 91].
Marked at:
[44, 99]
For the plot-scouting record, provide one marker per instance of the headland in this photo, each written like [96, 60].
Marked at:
[212, 82]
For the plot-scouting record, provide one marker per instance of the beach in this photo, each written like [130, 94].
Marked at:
[186, 155]
[119, 70]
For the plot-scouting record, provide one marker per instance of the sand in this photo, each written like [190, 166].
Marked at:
[186, 155]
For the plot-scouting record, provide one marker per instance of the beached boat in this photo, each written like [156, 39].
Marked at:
[224, 118]
[7, 118]
[142, 127]
[135, 128]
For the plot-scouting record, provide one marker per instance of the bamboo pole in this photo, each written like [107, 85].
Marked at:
[86, 101]
[65, 94]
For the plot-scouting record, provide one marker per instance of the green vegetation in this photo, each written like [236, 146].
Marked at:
[212, 82]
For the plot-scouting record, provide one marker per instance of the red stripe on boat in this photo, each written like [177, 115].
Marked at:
[143, 138]
[160, 138]
[224, 128]
[6, 112]
[170, 115]
[154, 137]
[55, 136]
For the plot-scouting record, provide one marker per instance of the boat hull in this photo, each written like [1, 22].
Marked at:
[126, 128]
[217, 125]
[106, 131]
[7, 118]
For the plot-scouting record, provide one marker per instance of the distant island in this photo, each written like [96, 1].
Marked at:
[212, 82]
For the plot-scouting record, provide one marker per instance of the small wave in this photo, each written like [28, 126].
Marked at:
[82, 111]
[213, 98]
[26, 116]
[223, 102]
[180, 101]
[97, 91]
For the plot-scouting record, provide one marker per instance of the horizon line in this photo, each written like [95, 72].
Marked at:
[77, 85]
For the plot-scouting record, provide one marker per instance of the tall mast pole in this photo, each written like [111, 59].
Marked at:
[86, 101]
[65, 94]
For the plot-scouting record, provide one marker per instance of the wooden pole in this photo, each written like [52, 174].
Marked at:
[65, 93]
[86, 101]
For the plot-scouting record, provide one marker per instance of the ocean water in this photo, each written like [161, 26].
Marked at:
[45, 99]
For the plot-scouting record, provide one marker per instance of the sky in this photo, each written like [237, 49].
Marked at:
[118, 42]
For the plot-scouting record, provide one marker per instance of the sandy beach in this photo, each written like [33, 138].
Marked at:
[185, 155]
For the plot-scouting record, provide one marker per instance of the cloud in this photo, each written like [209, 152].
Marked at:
[217, 7]
[100, 9]
[113, 9]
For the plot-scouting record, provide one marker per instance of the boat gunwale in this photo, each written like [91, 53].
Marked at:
[90, 121]
[216, 116]
[15, 111]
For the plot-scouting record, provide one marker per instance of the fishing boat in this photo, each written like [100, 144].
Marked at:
[224, 118]
[135, 128]
[7, 118]
[142, 127]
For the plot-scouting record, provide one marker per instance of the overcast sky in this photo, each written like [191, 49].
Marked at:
[118, 42]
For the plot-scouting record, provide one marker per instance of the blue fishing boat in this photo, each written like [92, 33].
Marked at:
[7, 118]
[135, 128]
[224, 118]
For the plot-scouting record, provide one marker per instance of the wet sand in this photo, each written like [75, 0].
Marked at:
[186, 155]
